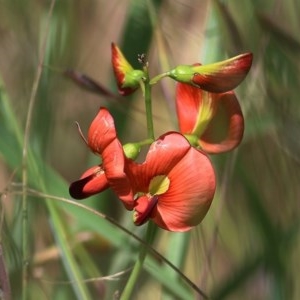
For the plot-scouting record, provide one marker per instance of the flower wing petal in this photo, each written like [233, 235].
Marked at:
[195, 108]
[162, 156]
[188, 99]
[226, 128]
[190, 194]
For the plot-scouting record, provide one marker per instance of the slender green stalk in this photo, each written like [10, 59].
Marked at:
[150, 229]
[148, 104]
[25, 244]
[157, 78]
[146, 142]
[139, 264]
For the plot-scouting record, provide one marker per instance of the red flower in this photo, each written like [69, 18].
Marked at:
[174, 186]
[127, 78]
[102, 140]
[216, 120]
[218, 77]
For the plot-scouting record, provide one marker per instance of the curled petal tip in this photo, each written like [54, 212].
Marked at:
[102, 131]
[93, 181]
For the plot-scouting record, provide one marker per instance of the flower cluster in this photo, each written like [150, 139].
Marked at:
[175, 184]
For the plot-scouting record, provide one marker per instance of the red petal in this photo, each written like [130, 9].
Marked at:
[162, 156]
[225, 75]
[120, 67]
[102, 131]
[116, 59]
[113, 160]
[92, 181]
[188, 99]
[225, 130]
[143, 208]
[102, 139]
[192, 188]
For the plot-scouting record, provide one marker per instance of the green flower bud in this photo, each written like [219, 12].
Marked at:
[132, 150]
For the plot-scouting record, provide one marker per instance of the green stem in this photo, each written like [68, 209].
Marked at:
[139, 264]
[155, 79]
[148, 105]
[150, 229]
[146, 142]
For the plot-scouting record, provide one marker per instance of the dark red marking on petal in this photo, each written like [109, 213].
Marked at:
[144, 208]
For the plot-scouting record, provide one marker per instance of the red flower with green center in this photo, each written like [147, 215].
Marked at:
[175, 185]
[103, 141]
[127, 78]
[215, 121]
[217, 77]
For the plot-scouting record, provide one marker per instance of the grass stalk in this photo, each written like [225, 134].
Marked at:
[25, 227]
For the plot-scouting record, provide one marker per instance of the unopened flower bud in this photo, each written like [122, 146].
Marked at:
[132, 150]
[128, 79]
[217, 77]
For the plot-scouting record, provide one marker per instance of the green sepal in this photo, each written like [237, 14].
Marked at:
[132, 150]
[132, 78]
[182, 73]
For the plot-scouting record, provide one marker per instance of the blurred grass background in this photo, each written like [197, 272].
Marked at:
[246, 248]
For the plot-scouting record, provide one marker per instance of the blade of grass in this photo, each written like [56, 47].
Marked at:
[180, 242]
[25, 230]
[4, 278]
[162, 275]
[34, 169]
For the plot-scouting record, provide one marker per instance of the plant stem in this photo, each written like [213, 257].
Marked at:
[150, 228]
[148, 104]
[158, 77]
[139, 264]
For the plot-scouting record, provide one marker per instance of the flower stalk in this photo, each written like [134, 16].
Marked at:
[150, 227]
[148, 103]
[139, 263]
[157, 78]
